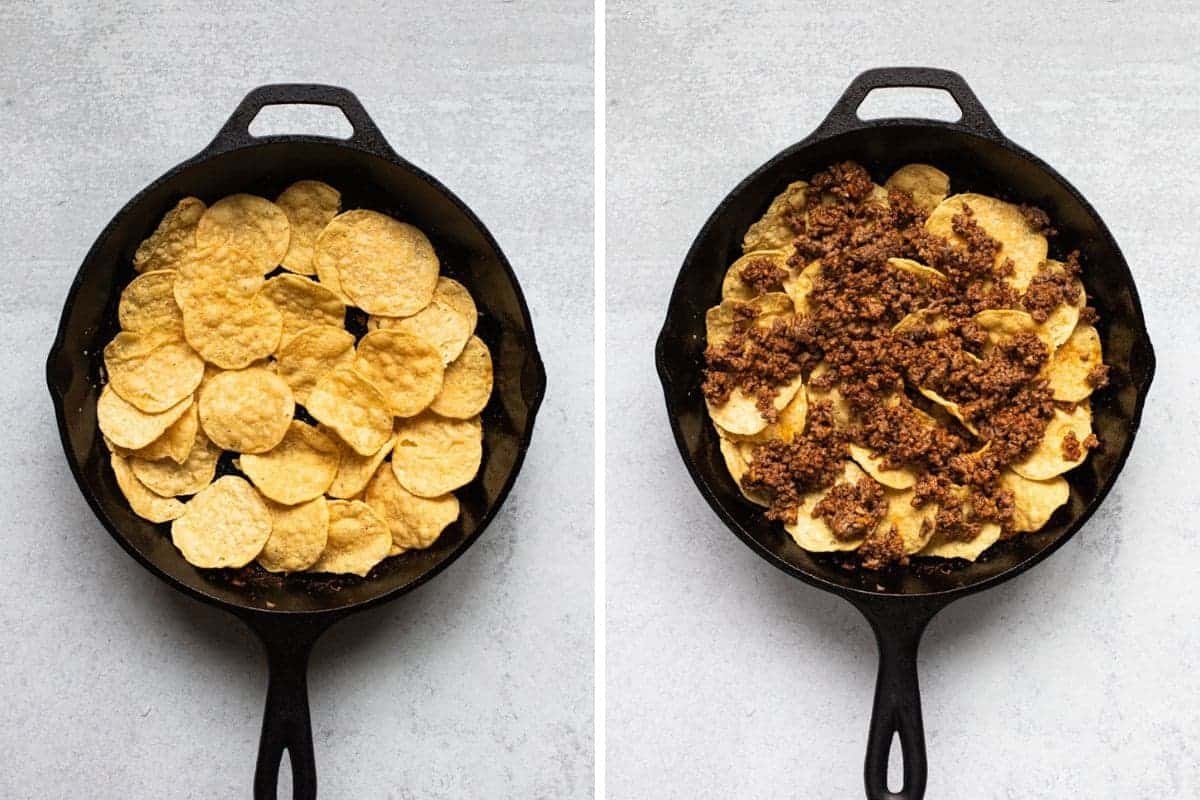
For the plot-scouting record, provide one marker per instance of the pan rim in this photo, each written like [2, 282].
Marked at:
[856, 593]
[246, 610]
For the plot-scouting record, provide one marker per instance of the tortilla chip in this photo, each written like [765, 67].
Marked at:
[1002, 221]
[927, 185]
[773, 231]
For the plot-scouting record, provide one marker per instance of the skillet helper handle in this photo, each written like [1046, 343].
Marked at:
[235, 132]
[287, 726]
[897, 711]
[844, 115]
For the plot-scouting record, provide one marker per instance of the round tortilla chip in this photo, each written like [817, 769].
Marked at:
[1047, 459]
[1034, 502]
[176, 441]
[811, 532]
[297, 469]
[1005, 223]
[217, 270]
[989, 534]
[765, 309]
[230, 334]
[351, 405]
[872, 464]
[440, 323]
[128, 426]
[734, 288]
[298, 535]
[406, 369]
[309, 206]
[915, 525]
[173, 239]
[792, 419]
[737, 464]
[251, 224]
[455, 295]
[384, 266]
[152, 370]
[246, 410]
[950, 406]
[927, 185]
[740, 415]
[145, 503]
[435, 455]
[466, 382]
[414, 522]
[302, 304]
[923, 319]
[941, 547]
[842, 413]
[774, 231]
[170, 479]
[1068, 369]
[354, 469]
[225, 525]
[148, 303]
[927, 275]
[358, 539]
[312, 353]
[1001, 323]
[799, 287]
[1063, 319]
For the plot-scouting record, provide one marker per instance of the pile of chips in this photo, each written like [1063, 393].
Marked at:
[1036, 483]
[215, 356]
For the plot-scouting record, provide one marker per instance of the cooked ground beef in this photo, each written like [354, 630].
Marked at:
[1051, 288]
[756, 359]
[884, 547]
[786, 471]
[1097, 378]
[952, 524]
[1072, 448]
[852, 510]
[856, 300]
[762, 275]
[1038, 220]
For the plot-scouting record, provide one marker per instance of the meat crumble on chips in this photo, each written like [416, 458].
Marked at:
[945, 362]
[229, 345]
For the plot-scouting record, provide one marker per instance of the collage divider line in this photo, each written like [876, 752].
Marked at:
[599, 306]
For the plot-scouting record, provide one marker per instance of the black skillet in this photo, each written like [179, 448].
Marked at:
[899, 605]
[289, 618]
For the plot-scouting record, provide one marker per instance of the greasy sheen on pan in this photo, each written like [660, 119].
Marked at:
[941, 351]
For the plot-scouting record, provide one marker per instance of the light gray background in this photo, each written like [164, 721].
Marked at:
[729, 679]
[478, 685]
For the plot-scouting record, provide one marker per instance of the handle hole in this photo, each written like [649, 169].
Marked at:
[283, 785]
[895, 772]
[308, 119]
[909, 101]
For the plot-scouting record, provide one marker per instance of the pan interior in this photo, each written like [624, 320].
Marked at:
[974, 164]
[467, 253]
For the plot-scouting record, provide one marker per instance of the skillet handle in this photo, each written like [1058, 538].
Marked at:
[898, 625]
[844, 115]
[235, 132]
[286, 723]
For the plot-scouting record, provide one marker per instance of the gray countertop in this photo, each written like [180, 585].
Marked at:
[478, 685]
[729, 679]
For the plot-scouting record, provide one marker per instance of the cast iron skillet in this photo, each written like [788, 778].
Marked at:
[369, 174]
[978, 158]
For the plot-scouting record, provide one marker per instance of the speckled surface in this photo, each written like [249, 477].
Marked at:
[478, 685]
[729, 679]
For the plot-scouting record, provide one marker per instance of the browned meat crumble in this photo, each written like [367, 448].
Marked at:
[855, 302]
